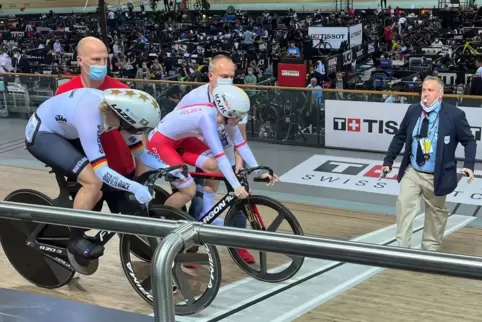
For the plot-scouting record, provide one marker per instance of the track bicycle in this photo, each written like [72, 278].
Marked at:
[38, 252]
[249, 208]
[464, 56]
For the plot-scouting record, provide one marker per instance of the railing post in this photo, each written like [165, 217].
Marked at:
[181, 238]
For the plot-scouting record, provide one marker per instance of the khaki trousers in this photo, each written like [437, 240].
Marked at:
[413, 187]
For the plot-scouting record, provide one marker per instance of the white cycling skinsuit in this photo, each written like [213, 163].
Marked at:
[64, 133]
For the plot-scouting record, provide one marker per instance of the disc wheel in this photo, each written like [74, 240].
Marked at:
[33, 265]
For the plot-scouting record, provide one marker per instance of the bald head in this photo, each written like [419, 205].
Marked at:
[91, 52]
[88, 44]
[220, 62]
[221, 67]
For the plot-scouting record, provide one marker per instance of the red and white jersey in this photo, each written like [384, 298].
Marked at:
[198, 120]
[201, 95]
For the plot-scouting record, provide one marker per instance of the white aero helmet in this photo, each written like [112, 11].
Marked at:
[138, 111]
[231, 101]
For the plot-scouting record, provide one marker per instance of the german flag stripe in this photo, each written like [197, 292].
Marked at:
[98, 163]
[136, 146]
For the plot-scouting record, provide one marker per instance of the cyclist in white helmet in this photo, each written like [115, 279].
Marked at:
[176, 140]
[64, 133]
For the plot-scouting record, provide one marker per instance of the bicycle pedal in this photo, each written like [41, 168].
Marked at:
[87, 267]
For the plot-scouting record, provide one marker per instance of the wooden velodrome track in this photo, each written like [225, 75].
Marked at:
[388, 296]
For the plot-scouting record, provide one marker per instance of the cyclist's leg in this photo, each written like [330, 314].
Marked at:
[98, 207]
[58, 153]
[196, 206]
[165, 149]
[197, 153]
[240, 220]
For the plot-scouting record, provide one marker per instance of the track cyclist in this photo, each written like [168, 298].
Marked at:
[64, 133]
[177, 140]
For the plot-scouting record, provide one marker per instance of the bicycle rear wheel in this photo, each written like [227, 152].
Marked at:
[33, 265]
[256, 218]
[197, 289]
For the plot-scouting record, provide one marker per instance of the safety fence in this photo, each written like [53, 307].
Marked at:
[341, 119]
[183, 234]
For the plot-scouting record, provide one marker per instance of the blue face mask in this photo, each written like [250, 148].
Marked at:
[97, 72]
[433, 106]
[224, 81]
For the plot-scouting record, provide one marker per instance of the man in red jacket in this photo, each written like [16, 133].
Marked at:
[93, 58]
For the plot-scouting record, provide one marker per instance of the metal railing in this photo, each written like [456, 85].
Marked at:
[182, 235]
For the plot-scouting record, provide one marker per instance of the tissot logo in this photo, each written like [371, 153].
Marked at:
[328, 36]
[363, 175]
[364, 125]
[335, 166]
[333, 36]
[343, 124]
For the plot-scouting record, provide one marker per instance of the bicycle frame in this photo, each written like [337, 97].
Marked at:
[56, 253]
[228, 200]
[67, 188]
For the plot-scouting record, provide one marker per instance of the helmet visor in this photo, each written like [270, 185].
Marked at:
[133, 130]
[236, 115]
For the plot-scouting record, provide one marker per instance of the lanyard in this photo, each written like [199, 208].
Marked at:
[434, 127]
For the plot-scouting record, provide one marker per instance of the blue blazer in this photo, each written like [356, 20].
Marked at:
[453, 125]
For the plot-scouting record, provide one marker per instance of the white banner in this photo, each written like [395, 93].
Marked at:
[356, 35]
[371, 126]
[332, 35]
[362, 175]
[347, 57]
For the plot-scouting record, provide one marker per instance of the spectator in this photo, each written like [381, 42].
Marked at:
[293, 51]
[316, 96]
[476, 84]
[437, 43]
[314, 74]
[250, 79]
[57, 47]
[5, 61]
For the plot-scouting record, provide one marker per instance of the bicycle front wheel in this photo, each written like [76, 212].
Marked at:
[265, 213]
[197, 291]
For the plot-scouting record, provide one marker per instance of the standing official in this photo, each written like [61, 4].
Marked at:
[430, 131]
